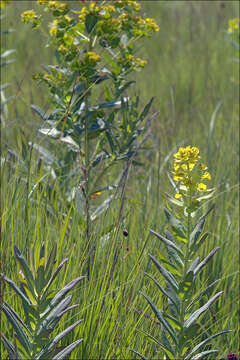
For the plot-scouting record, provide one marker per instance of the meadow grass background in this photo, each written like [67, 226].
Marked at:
[191, 72]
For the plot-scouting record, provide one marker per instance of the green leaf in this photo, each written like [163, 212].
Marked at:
[195, 246]
[53, 275]
[204, 292]
[186, 285]
[17, 290]
[124, 87]
[172, 253]
[17, 318]
[47, 323]
[176, 224]
[67, 351]
[114, 65]
[206, 260]
[204, 342]
[137, 353]
[45, 352]
[167, 242]
[173, 321]
[60, 295]
[166, 274]
[194, 264]
[26, 270]
[159, 316]
[163, 347]
[12, 352]
[199, 227]
[50, 262]
[90, 22]
[145, 111]
[39, 111]
[163, 291]
[22, 337]
[193, 317]
[199, 356]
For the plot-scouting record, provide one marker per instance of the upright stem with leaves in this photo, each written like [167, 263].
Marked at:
[180, 265]
[95, 50]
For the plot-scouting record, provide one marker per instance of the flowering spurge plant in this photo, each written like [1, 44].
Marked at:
[43, 306]
[91, 113]
[179, 265]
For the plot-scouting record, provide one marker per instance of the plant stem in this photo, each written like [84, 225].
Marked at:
[186, 256]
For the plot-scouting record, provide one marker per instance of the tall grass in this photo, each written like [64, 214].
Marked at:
[194, 80]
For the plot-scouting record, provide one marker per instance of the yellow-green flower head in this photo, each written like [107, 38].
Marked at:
[42, 2]
[189, 171]
[92, 58]
[233, 25]
[31, 17]
[3, 3]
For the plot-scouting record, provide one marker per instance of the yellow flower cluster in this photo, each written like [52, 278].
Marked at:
[189, 171]
[42, 2]
[58, 8]
[138, 25]
[130, 61]
[233, 25]
[54, 28]
[134, 5]
[31, 17]
[151, 25]
[3, 3]
[92, 58]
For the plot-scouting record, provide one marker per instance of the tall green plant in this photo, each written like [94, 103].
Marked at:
[91, 115]
[180, 265]
[43, 306]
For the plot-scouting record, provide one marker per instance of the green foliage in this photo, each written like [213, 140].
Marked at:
[43, 306]
[194, 81]
[180, 267]
[92, 116]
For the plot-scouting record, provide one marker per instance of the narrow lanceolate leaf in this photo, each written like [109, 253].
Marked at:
[60, 295]
[204, 342]
[145, 111]
[64, 354]
[137, 353]
[17, 290]
[204, 353]
[39, 111]
[164, 348]
[193, 264]
[206, 260]
[12, 352]
[54, 274]
[172, 253]
[27, 272]
[163, 291]
[199, 227]
[176, 224]
[46, 352]
[195, 246]
[159, 316]
[22, 337]
[17, 318]
[50, 263]
[53, 315]
[167, 242]
[204, 292]
[166, 274]
[193, 317]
